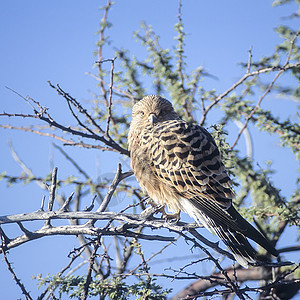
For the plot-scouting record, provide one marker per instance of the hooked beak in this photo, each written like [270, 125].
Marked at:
[152, 118]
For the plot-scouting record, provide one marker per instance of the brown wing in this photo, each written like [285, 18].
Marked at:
[187, 157]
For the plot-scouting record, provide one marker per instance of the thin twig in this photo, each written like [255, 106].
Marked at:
[72, 161]
[118, 178]
[104, 257]
[122, 92]
[256, 108]
[154, 255]
[66, 203]
[52, 190]
[234, 286]
[249, 60]
[89, 273]
[240, 81]
[44, 116]
[43, 202]
[10, 269]
[100, 48]
[109, 116]
[50, 286]
[71, 100]
[180, 45]
[28, 99]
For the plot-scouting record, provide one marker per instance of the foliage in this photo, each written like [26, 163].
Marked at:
[114, 288]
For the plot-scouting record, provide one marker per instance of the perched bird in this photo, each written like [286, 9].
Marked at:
[179, 165]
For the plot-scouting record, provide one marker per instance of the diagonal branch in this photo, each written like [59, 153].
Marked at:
[89, 273]
[256, 108]
[16, 279]
[242, 80]
[45, 117]
[270, 86]
[72, 101]
[109, 104]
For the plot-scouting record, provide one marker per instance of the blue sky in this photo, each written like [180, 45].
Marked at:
[55, 40]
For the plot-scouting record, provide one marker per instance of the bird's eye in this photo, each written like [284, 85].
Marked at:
[142, 113]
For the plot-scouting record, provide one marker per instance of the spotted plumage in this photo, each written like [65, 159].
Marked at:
[178, 164]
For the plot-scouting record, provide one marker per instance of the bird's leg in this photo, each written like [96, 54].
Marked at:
[154, 208]
[171, 217]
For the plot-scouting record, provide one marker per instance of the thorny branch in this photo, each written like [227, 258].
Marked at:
[281, 71]
[72, 101]
[100, 48]
[242, 80]
[109, 115]
[16, 279]
[50, 287]
[234, 286]
[43, 115]
[89, 273]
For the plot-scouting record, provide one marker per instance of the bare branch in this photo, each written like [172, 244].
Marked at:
[256, 107]
[66, 203]
[243, 79]
[249, 60]
[89, 273]
[52, 190]
[100, 48]
[109, 116]
[80, 229]
[72, 101]
[3, 248]
[44, 116]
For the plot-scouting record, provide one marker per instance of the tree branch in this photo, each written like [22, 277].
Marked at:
[4, 248]
[241, 80]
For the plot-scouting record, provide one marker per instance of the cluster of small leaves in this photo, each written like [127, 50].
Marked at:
[236, 108]
[267, 199]
[227, 154]
[289, 132]
[114, 288]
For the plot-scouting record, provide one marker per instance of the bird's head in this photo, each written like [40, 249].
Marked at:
[152, 110]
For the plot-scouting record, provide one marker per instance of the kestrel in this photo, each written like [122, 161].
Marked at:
[179, 165]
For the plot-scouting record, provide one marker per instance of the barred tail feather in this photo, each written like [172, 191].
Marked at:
[241, 249]
[252, 233]
[234, 239]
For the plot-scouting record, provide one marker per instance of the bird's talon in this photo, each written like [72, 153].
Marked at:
[172, 218]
